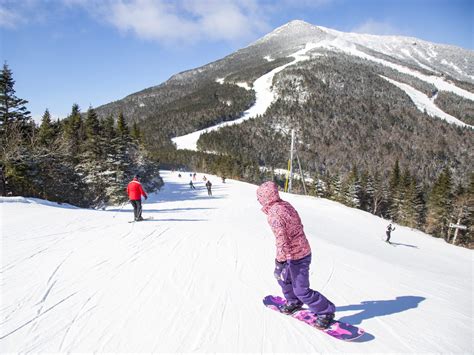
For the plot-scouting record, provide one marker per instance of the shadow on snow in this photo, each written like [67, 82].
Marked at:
[372, 309]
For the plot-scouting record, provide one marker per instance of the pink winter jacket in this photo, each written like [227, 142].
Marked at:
[291, 242]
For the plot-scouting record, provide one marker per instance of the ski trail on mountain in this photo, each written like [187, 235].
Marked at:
[264, 97]
[423, 102]
[439, 83]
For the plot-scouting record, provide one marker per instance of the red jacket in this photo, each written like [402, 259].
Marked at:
[135, 190]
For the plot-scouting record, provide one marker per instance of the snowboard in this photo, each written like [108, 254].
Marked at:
[144, 219]
[337, 329]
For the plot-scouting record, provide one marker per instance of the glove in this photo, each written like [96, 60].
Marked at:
[280, 270]
[146, 197]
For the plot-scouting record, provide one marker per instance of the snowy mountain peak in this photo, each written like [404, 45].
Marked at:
[295, 31]
[432, 57]
[295, 24]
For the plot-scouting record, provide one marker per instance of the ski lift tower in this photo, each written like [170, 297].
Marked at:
[291, 159]
[289, 172]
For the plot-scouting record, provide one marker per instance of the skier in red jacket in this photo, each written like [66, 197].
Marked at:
[135, 192]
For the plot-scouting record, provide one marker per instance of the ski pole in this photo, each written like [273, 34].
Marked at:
[123, 205]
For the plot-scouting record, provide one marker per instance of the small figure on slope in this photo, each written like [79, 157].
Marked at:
[135, 192]
[293, 257]
[209, 186]
[389, 231]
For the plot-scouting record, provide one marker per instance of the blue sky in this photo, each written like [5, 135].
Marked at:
[92, 52]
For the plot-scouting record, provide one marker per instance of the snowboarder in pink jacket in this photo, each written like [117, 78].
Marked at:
[293, 256]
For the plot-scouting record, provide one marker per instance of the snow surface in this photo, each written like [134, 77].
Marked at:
[423, 102]
[264, 96]
[193, 278]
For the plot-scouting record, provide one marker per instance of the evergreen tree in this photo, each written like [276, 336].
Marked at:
[379, 200]
[46, 132]
[108, 129]
[336, 191]
[366, 190]
[352, 189]
[395, 193]
[73, 133]
[440, 205]
[123, 146]
[122, 127]
[92, 133]
[319, 187]
[109, 136]
[16, 130]
[420, 205]
[12, 108]
[408, 215]
[136, 134]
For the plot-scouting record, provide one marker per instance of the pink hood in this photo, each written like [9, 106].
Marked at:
[267, 194]
[291, 242]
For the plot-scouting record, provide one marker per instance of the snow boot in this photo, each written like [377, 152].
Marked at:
[323, 321]
[290, 308]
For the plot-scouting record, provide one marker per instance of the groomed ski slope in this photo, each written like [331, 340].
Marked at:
[192, 279]
[264, 96]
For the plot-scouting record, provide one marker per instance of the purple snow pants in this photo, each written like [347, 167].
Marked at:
[295, 286]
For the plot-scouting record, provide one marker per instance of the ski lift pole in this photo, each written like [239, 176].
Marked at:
[287, 176]
[302, 174]
[291, 159]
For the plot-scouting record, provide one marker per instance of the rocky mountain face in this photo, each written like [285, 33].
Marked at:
[358, 100]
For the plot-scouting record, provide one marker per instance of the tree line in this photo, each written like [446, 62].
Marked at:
[79, 160]
[403, 199]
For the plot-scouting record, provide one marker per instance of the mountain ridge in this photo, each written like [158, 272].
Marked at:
[223, 91]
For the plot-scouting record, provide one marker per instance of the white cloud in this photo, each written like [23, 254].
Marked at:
[9, 18]
[377, 28]
[181, 20]
[15, 13]
[306, 3]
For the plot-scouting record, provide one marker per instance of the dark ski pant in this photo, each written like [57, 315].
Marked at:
[388, 236]
[137, 208]
[209, 192]
[295, 286]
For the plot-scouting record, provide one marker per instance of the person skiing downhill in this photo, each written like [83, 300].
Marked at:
[389, 231]
[293, 257]
[135, 192]
[209, 187]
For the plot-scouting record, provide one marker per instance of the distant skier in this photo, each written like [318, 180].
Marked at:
[293, 257]
[191, 185]
[223, 179]
[135, 192]
[209, 186]
[389, 231]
